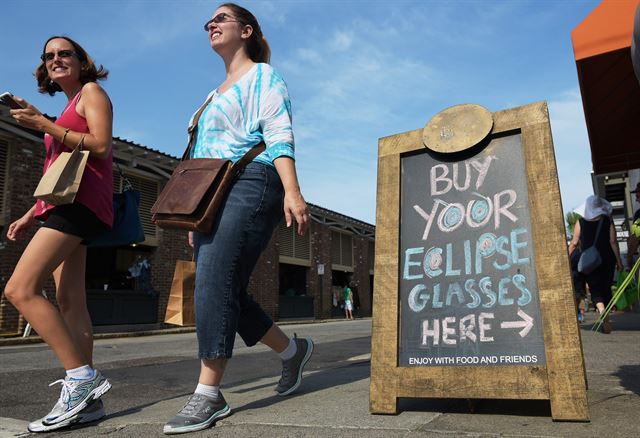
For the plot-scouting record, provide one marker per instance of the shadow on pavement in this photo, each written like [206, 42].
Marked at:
[318, 381]
[346, 374]
[139, 408]
[144, 385]
[530, 408]
[629, 376]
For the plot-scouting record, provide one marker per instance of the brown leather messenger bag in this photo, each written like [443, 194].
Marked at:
[193, 195]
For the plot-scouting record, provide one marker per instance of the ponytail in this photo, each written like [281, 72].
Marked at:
[263, 52]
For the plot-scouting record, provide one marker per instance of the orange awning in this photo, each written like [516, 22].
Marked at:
[610, 90]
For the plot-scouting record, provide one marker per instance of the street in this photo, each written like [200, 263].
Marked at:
[153, 375]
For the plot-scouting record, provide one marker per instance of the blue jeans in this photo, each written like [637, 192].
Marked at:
[226, 257]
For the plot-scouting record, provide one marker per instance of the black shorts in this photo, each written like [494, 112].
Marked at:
[75, 219]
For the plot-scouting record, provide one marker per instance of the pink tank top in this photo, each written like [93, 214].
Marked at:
[96, 186]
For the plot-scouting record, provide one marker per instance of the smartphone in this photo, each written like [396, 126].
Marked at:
[8, 100]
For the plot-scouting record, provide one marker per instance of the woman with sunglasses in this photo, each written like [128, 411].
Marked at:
[59, 245]
[249, 107]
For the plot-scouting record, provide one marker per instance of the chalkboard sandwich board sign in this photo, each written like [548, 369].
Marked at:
[473, 289]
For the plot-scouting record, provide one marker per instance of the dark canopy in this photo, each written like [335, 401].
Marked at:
[610, 90]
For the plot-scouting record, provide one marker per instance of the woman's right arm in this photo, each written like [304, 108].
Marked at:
[22, 225]
[294, 204]
[275, 119]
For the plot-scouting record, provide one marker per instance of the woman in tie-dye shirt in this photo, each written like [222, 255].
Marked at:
[251, 106]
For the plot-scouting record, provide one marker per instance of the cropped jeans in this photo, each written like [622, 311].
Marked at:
[226, 257]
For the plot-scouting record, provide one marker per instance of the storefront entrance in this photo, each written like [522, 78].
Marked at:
[338, 280]
[119, 289]
[294, 301]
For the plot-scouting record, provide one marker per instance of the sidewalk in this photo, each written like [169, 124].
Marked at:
[133, 330]
[333, 401]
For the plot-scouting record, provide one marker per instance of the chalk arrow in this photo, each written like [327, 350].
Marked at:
[526, 323]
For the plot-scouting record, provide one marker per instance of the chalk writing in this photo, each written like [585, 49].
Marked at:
[468, 286]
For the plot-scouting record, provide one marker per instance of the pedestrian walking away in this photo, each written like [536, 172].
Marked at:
[597, 229]
[249, 107]
[59, 245]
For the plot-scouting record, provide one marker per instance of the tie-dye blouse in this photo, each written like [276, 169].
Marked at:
[256, 108]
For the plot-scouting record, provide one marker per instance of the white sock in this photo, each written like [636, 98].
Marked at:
[208, 390]
[290, 351]
[84, 372]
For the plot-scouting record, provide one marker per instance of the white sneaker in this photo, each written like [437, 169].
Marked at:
[75, 396]
[93, 412]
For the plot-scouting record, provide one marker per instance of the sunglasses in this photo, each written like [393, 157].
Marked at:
[222, 17]
[50, 56]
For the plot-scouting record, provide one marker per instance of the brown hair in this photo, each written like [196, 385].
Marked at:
[88, 71]
[257, 46]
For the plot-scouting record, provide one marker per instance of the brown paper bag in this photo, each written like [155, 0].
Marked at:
[59, 185]
[181, 308]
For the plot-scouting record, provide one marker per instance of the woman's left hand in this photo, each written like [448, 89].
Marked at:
[296, 207]
[28, 116]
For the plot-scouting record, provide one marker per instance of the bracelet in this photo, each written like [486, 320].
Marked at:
[65, 135]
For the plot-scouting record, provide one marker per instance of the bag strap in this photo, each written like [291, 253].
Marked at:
[193, 129]
[80, 145]
[249, 156]
[127, 184]
[595, 239]
[238, 165]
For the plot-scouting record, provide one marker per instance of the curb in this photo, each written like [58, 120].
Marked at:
[168, 331]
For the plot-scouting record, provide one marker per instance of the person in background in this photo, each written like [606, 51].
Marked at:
[59, 246]
[598, 211]
[250, 106]
[348, 302]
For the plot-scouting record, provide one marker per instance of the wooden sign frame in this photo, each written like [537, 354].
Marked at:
[562, 380]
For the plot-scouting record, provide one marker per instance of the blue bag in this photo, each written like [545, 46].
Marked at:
[127, 228]
[590, 258]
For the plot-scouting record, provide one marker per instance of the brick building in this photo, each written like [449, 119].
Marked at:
[296, 277]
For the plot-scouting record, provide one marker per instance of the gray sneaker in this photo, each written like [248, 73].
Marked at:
[292, 368]
[199, 413]
[93, 412]
[75, 396]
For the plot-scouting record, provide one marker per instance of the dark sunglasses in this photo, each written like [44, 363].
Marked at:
[50, 56]
[222, 17]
